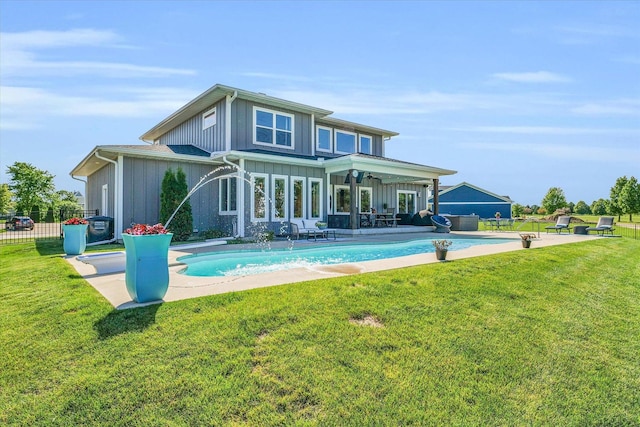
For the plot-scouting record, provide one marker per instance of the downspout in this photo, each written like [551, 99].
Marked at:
[227, 120]
[117, 226]
[240, 195]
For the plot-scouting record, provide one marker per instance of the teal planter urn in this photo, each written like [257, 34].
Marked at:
[147, 266]
[75, 238]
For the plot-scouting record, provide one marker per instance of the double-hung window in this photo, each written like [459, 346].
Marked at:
[345, 142]
[228, 195]
[273, 128]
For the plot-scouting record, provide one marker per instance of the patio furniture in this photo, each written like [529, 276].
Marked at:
[604, 225]
[304, 226]
[442, 224]
[580, 229]
[561, 224]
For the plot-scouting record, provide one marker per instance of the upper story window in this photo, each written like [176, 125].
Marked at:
[366, 143]
[345, 142]
[324, 139]
[209, 118]
[273, 128]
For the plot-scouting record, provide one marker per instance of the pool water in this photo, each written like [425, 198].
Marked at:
[248, 262]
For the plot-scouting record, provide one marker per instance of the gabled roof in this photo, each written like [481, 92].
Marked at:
[215, 94]
[449, 189]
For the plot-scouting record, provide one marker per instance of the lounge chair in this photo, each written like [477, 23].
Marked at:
[561, 224]
[442, 224]
[604, 225]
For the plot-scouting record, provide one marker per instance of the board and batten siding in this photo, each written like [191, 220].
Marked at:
[143, 184]
[242, 129]
[190, 132]
[95, 181]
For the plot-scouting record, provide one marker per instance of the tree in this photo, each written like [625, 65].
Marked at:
[615, 205]
[554, 200]
[629, 198]
[582, 208]
[67, 201]
[6, 204]
[600, 207]
[31, 186]
[174, 191]
[517, 210]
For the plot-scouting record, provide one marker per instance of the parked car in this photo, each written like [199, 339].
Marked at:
[19, 223]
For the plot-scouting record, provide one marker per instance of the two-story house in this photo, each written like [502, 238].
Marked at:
[268, 159]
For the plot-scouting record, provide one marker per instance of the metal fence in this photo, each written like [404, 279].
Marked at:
[45, 227]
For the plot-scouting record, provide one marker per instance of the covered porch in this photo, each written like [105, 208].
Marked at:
[370, 192]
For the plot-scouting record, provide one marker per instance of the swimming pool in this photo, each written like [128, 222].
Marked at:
[248, 262]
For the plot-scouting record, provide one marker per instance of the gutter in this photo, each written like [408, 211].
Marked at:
[227, 120]
[117, 226]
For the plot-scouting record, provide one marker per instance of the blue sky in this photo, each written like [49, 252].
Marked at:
[518, 97]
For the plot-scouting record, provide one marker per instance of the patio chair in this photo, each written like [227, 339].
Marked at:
[561, 224]
[442, 224]
[604, 225]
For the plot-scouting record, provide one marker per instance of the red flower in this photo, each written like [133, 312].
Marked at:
[76, 221]
[145, 229]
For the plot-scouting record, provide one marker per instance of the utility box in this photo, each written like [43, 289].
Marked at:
[100, 229]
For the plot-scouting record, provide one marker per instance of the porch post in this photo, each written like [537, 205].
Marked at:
[435, 196]
[353, 209]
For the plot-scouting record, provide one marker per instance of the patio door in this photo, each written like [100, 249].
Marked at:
[407, 202]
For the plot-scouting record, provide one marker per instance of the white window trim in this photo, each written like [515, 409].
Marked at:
[318, 128]
[285, 178]
[336, 189]
[415, 199]
[266, 197]
[207, 113]
[320, 196]
[370, 190]
[355, 141]
[304, 196]
[220, 183]
[273, 144]
[360, 136]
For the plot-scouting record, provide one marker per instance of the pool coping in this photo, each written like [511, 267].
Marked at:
[113, 288]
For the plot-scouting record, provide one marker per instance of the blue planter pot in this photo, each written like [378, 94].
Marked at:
[75, 239]
[147, 266]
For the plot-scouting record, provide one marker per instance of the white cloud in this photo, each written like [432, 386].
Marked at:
[624, 107]
[22, 105]
[560, 151]
[19, 55]
[532, 77]
[547, 130]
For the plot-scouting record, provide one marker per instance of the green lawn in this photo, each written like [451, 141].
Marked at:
[546, 336]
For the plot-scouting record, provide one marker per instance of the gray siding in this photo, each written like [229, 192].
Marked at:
[387, 193]
[191, 132]
[242, 129]
[275, 169]
[143, 185]
[93, 199]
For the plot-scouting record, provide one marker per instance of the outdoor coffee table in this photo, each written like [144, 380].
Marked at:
[329, 231]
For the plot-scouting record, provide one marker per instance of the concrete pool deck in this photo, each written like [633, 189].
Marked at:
[113, 288]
